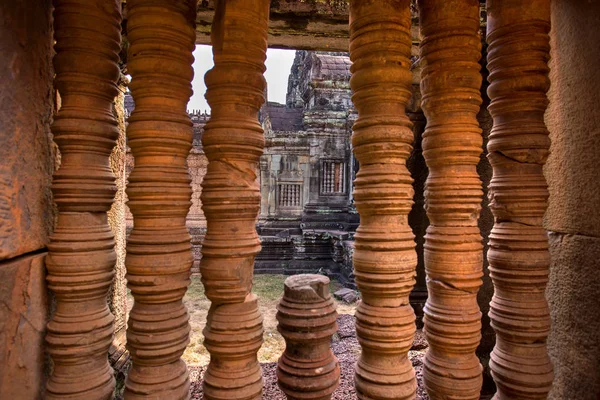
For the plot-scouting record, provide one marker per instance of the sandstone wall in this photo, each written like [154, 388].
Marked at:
[573, 217]
[26, 211]
[117, 297]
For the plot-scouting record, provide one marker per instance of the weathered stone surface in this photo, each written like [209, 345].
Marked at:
[26, 106]
[574, 341]
[342, 292]
[384, 256]
[117, 218]
[450, 51]
[307, 321]
[518, 147]
[233, 143]
[350, 298]
[307, 169]
[23, 317]
[310, 25]
[573, 216]
[197, 164]
[81, 256]
[573, 120]
[233, 336]
[161, 37]
[347, 295]
[299, 24]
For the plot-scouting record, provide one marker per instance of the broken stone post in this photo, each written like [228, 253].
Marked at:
[307, 320]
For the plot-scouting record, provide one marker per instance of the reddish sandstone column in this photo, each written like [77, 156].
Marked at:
[307, 370]
[81, 256]
[385, 258]
[233, 142]
[161, 35]
[451, 83]
[518, 56]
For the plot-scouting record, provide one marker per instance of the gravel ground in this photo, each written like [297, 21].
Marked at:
[346, 348]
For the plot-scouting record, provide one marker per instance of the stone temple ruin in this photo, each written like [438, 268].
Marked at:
[307, 218]
[471, 150]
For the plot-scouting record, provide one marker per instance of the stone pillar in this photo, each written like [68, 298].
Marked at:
[307, 321]
[385, 257]
[161, 35]
[452, 145]
[81, 257]
[518, 147]
[233, 142]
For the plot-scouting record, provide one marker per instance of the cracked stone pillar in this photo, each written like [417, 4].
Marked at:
[81, 256]
[161, 35]
[384, 257]
[233, 142]
[450, 86]
[307, 321]
[518, 147]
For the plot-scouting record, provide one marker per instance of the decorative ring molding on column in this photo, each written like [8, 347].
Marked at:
[233, 142]
[81, 256]
[452, 146]
[161, 35]
[384, 257]
[518, 55]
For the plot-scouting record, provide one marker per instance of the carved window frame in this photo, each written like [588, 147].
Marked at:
[333, 177]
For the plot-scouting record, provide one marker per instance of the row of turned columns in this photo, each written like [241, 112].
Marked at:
[384, 258]
[161, 35]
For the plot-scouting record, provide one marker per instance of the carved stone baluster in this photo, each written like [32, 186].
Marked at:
[293, 196]
[161, 35]
[451, 82]
[518, 57]
[81, 256]
[329, 177]
[307, 321]
[324, 172]
[279, 194]
[233, 142]
[324, 178]
[385, 258]
[287, 195]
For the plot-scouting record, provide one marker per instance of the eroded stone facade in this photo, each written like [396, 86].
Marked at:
[307, 169]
